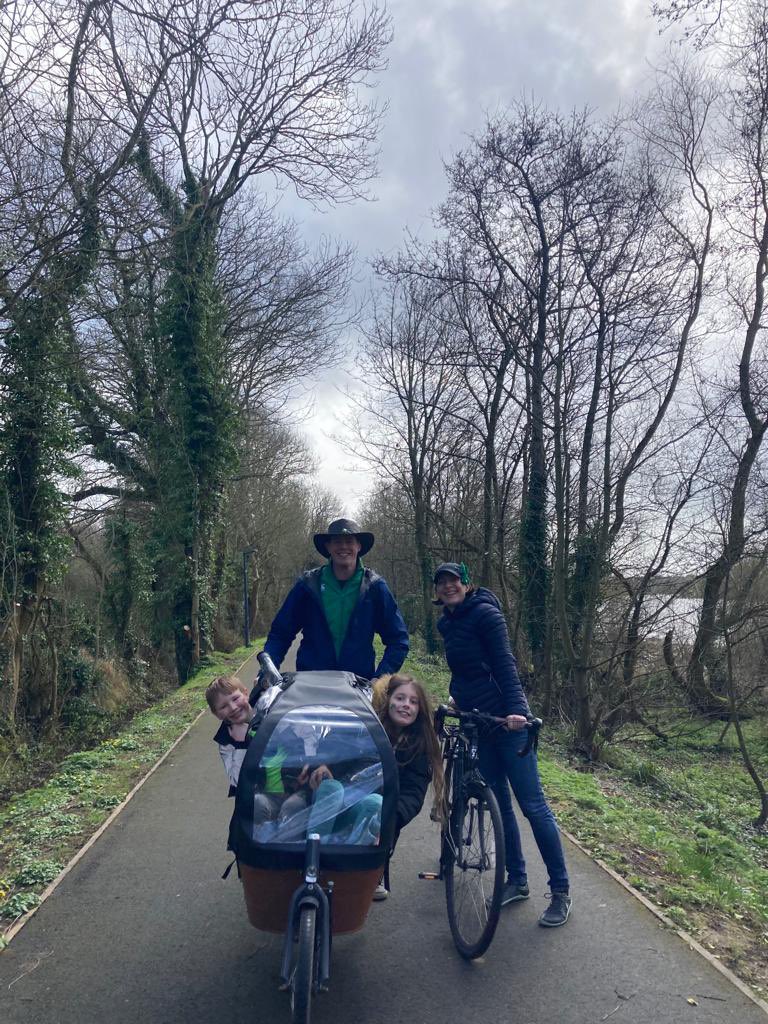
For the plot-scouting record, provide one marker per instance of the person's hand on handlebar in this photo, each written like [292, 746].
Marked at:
[515, 722]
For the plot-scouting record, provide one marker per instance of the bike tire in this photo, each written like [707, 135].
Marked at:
[474, 870]
[303, 976]
[445, 825]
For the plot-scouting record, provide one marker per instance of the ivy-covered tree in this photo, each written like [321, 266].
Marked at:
[196, 445]
[35, 440]
[74, 103]
[276, 94]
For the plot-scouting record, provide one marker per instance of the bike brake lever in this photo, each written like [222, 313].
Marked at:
[532, 743]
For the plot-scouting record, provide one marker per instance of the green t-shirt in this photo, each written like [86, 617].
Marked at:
[273, 768]
[339, 598]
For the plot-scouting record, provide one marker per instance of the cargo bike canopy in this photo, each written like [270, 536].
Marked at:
[318, 762]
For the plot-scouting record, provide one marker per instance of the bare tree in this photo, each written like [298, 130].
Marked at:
[505, 212]
[413, 396]
[733, 89]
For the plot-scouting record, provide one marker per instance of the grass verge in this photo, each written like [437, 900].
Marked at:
[674, 820]
[42, 828]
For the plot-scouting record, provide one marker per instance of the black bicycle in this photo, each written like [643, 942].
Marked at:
[472, 842]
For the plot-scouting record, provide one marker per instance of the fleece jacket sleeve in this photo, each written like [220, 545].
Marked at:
[414, 782]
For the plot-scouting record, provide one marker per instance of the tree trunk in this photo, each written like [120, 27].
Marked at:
[425, 573]
[533, 547]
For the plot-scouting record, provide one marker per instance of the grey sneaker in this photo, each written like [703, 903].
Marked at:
[514, 893]
[557, 912]
[380, 892]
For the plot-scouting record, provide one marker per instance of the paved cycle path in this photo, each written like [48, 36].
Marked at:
[144, 931]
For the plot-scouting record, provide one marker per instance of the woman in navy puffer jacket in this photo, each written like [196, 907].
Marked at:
[484, 678]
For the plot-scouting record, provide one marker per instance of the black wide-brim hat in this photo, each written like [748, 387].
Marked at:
[343, 528]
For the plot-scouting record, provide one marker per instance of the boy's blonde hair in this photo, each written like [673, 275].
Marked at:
[222, 687]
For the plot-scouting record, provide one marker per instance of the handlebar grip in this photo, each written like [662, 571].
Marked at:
[269, 669]
[532, 743]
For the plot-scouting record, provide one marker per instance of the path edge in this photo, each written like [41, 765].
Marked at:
[659, 914]
[16, 927]
[689, 940]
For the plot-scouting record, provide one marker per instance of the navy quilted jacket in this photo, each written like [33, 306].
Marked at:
[483, 669]
[375, 612]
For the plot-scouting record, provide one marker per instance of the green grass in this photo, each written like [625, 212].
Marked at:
[42, 828]
[431, 670]
[674, 819]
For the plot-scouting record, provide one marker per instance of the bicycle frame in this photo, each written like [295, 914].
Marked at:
[460, 753]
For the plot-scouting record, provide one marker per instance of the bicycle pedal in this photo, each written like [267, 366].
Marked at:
[429, 876]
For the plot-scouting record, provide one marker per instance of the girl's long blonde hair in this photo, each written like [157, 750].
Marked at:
[418, 738]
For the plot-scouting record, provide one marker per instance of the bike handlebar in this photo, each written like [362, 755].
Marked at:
[269, 669]
[532, 725]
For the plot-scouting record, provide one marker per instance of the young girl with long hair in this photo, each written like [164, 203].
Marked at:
[404, 710]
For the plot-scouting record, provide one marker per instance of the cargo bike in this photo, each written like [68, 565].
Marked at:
[314, 819]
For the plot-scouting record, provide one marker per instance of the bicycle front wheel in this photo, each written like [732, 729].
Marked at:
[304, 972]
[474, 872]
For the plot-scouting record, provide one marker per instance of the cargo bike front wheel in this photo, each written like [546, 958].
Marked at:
[306, 971]
[303, 977]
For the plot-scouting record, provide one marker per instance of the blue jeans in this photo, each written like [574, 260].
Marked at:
[499, 762]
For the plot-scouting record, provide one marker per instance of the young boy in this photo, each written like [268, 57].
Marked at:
[228, 699]
[284, 791]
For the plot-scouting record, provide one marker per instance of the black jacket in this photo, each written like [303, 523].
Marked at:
[477, 648]
[414, 776]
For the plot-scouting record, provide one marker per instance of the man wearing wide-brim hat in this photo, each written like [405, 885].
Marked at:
[338, 609]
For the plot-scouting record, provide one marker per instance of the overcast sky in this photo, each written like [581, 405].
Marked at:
[450, 62]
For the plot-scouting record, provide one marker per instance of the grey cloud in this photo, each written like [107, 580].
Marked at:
[451, 62]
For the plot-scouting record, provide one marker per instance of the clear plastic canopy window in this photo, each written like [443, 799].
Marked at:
[320, 772]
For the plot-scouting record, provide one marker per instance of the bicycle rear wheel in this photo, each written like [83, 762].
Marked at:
[304, 973]
[474, 872]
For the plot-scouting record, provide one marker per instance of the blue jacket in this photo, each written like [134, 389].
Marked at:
[375, 612]
[477, 649]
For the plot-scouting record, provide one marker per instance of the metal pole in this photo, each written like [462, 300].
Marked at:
[246, 613]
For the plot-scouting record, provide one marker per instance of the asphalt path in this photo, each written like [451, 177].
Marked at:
[145, 931]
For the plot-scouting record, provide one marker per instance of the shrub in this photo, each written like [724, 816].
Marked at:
[37, 872]
[19, 904]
